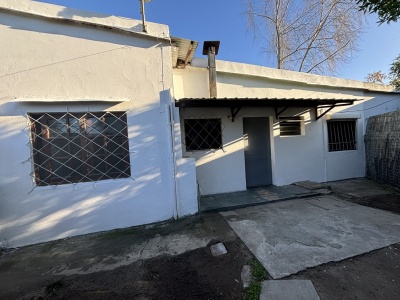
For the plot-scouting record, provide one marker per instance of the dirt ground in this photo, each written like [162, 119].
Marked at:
[198, 275]
[389, 202]
[193, 275]
[375, 275]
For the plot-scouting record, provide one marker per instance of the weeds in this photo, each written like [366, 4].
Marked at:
[258, 275]
[253, 291]
[257, 270]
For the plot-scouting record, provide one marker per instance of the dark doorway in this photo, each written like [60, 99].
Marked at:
[257, 151]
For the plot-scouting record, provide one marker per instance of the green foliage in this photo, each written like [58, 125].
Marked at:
[388, 10]
[257, 270]
[258, 274]
[253, 291]
[395, 73]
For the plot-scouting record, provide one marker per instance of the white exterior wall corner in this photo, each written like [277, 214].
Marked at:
[185, 173]
[65, 62]
[294, 159]
[381, 103]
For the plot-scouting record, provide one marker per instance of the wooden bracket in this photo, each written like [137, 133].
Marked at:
[234, 112]
[278, 113]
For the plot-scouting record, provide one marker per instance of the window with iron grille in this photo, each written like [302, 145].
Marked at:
[290, 126]
[79, 147]
[342, 135]
[203, 134]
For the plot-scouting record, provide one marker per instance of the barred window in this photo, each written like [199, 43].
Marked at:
[342, 135]
[203, 134]
[290, 126]
[79, 147]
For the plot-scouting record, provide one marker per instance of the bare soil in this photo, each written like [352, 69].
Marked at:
[193, 275]
[388, 202]
[198, 275]
[374, 275]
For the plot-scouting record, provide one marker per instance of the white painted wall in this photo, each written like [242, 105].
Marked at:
[55, 66]
[381, 104]
[293, 159]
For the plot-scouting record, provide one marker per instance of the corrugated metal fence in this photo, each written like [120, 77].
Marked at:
[382, 147]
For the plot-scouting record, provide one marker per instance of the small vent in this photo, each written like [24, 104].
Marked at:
[290, 126]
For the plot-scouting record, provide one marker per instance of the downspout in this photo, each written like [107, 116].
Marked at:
[324, 143]
[174, 162]
[171, 130]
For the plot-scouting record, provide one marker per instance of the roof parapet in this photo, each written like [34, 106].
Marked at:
[56, 12]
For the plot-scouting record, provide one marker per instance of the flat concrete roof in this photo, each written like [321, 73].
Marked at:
[242, 69]
[60, 13]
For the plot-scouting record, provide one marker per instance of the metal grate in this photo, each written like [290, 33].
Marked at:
[203, 134]
[79, 147]
[342, 135]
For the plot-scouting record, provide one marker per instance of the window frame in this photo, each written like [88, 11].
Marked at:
[203, 143]
[79, 148]
[351, 144]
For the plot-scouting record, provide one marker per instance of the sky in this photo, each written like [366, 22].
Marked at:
[224, 20]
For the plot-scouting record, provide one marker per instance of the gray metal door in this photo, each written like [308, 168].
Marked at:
[257, 151]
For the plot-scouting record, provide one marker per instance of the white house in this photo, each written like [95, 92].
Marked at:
[105, 126]
[85, 125]
[267, 126]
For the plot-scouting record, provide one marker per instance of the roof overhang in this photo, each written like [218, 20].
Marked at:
[279, 104]
[182, 51]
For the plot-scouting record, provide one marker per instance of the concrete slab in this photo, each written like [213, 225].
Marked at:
[311, 185]
[288, 289]
[287, 237]
[358, 188]
[254, 196]
[218, 249]
[246, 276]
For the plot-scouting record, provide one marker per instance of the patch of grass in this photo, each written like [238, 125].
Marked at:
[253, 291]
[257, 270]
[258, 275]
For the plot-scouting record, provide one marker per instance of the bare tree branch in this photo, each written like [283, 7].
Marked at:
[313, 35]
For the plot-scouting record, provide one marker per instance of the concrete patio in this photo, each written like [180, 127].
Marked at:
[285, 236]
[288, 237]
[254, 196]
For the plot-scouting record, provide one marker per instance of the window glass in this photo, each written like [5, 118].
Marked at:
[342, 135]
[56, 127]
[71, 148]
[203, 134]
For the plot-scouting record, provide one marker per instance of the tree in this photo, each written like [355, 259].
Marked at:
[395, 73]
[376, 77]
[388, 10]
[313, 36]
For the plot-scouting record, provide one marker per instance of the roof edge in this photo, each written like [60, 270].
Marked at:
[293, 76]
[61, 13]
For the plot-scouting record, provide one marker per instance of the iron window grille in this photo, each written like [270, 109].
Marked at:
[79, 147]
[290, 126]
[203, 134]
[342, 135]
